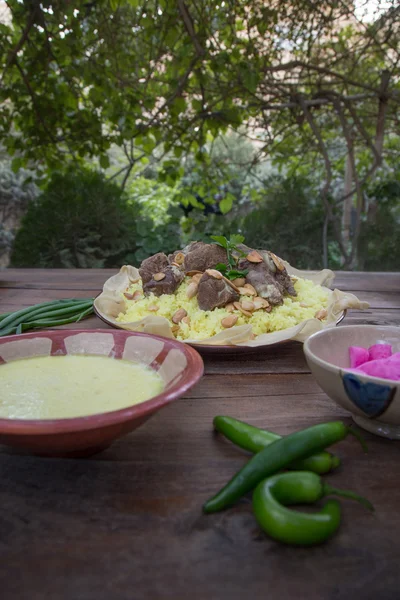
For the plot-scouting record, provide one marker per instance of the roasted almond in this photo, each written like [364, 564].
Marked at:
[186, 320]
[196, 278]
[252, 289]
[191, 289]
[247, 305]
[231, 284]
[214, 273]
[254, 257]
[229, 321]
[245, 291]
[277, 261]
[260, 303]
[229, 307]
[159, 276]
[179, 258]
[175, 328]
[137, 295]
[178, 316]
[128, 296]
[192, 273]
[153, 308]
[321, 314]
[239, 281]
[238, 306]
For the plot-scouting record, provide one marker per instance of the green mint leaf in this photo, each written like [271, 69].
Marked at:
[220, 240]
[221, 267]
[236, 239]
[234, 274]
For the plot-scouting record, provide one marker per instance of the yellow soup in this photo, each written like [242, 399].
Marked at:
[59, 387]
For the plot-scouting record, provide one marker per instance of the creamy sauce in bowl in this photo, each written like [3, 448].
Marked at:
[60, 387]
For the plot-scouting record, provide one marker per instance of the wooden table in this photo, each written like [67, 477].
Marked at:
[127, 523]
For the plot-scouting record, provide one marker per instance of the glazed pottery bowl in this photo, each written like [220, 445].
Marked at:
[373, 402]
[179, 365]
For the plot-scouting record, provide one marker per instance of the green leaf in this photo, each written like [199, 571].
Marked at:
[226, 204]
[178, 151]
[221, 267]
[234, 274]
[220, 240]
[16, 164]
[104, 161]
[236, 239]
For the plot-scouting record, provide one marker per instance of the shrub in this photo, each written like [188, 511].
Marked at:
[287, 222]
[379, 244]
[16, 191]
[80, 220]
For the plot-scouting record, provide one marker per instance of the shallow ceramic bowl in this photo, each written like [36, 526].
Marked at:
[373, 402]
[179, 365]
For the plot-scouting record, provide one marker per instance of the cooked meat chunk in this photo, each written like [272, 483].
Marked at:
[243, 248]
[152, 265]
[200, 256]
[163, 285]
[260, 277]
[213, 293]
[270, 282]
[281, 275]
[167, 277]
[283, 279]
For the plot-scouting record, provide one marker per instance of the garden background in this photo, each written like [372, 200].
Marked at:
[129, 127]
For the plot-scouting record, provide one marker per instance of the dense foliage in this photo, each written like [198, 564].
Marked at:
[16, 191]
[80, 220]
[312, 86]
[298, 240]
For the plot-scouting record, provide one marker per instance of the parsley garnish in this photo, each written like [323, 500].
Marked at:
[230, 271]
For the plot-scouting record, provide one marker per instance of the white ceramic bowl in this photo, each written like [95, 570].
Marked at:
[373, 402]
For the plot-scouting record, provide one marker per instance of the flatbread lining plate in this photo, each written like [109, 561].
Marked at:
[110, 303]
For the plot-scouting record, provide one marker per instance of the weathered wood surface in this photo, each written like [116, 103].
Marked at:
[127, 524]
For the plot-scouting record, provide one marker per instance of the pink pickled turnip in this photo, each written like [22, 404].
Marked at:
[386, 368]
[379, 351]
[358, 356]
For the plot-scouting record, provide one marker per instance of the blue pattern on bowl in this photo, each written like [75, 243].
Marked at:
[372, 398]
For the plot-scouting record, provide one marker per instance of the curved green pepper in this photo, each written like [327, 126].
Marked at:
[278, 455]
[254, 439]
[291, 526]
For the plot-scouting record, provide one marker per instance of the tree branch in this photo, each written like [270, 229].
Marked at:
[13, 54]
[325, 190]
[190, 28]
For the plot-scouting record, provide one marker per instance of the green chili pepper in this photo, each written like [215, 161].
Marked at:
[291, 526]
[254, 439]
[278, 455]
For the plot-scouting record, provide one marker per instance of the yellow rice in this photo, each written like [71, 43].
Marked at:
[204, 324]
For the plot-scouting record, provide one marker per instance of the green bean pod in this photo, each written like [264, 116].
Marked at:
[272, 495]
[4, 315]
[25, 314]
[254, 439]
[43, 323]
[55, 313]
[278, 455]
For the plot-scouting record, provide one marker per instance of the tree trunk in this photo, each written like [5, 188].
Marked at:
[347, 203]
